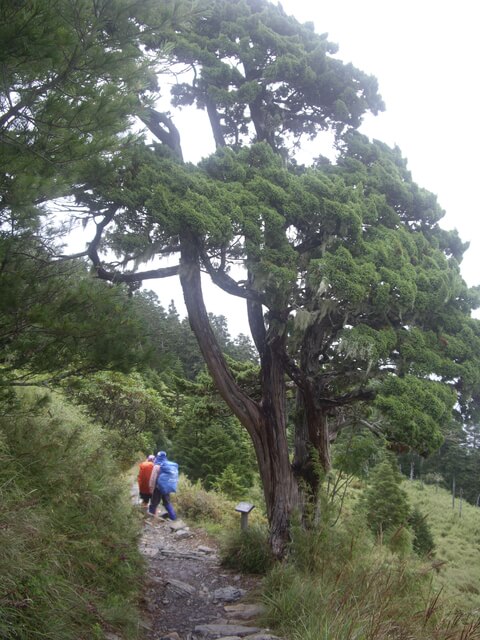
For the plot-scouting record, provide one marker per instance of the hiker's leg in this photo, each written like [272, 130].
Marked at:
[155, 501]
[169, 506]
[145, 498]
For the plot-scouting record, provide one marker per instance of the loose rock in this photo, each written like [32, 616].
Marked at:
[187, 592]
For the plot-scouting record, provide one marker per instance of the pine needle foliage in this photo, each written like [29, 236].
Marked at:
[423, 541]
[386, 503]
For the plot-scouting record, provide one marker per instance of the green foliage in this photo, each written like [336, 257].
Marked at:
[400, 541]
[318, 550]
[209, 440]
[423, 542]
[69, 560]
[432, 478]
[199, 505]
[230, 483]
[205, 450]
[357, 451]
[289, 80]
[137, 417]
[337, 584]
[456, 543]
[386, 503]
[350, 590]
[415, 409]
[173, 349]
[71, 75]
[457, 460]
[55, 322]
[246, 550]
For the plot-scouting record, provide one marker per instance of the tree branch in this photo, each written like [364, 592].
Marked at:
[215, 124]
[117, 276]
[228, 284]
[163, 129]
[246, 410]
[347, 398]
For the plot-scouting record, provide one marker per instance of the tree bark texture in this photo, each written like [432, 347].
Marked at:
[312, 450]
[264, 421]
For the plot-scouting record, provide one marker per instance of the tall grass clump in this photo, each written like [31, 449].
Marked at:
[69, 561]
[246, 550]
[338, 584]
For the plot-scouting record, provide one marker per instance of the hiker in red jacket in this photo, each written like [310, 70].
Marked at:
[144, 473]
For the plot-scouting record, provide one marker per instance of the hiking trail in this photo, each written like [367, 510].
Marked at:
[188, 595]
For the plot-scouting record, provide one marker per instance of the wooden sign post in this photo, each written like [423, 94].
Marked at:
[244, 508]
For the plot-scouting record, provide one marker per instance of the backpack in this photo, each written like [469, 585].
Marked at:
[168, 477]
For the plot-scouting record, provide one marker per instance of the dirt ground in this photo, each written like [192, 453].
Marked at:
[186, 587]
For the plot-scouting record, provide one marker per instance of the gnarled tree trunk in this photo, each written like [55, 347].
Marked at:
[264, 421]
[312, 450]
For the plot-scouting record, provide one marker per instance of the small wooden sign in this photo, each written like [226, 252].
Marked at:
[244, 507]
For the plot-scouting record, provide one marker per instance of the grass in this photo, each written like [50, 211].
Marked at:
[211, 510]
[246, 550]
[359, 596]
[69, 561]
[338, 584]
[457, 541]
[71, 569]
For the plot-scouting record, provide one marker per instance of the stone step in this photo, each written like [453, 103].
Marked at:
[212, 631]
[244, 611]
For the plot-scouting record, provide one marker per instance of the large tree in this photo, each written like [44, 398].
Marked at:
[353, 291]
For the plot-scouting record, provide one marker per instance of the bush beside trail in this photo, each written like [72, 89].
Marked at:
[69, 563]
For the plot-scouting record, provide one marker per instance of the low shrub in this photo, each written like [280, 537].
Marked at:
[385, 502]
[400, 541]
[198, 505]
[246, 550]
[346, 591]
[316, 551]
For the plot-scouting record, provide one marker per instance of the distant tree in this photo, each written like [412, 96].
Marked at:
[423, 543]
[242, 349]
[230, 483]
[209, 440]
[386, 503]
[455, 459]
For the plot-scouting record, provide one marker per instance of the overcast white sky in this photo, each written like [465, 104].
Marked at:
[425, 55]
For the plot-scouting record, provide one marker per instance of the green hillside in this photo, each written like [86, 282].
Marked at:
[457, 540]
[340, 583]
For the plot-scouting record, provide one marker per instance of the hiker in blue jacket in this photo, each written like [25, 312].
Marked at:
[163, 481]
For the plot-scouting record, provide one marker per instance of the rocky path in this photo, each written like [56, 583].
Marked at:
[189, 596]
